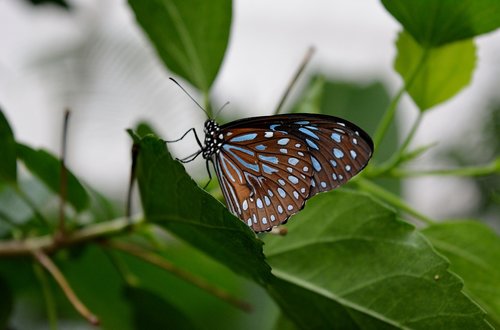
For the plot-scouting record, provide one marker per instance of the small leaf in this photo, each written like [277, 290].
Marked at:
[8, 166]
[48, 169]
[171, 199]
[190, 36]
[150, 311]
[144, 128]
[443, 73]
[438, 22]
[474, 253]
[348, 262]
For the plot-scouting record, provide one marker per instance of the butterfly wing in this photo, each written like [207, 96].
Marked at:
[265, 176]
[269, 166]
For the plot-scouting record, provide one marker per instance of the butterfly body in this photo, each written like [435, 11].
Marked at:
[269, 166]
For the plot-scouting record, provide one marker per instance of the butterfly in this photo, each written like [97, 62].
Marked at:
[269, 166]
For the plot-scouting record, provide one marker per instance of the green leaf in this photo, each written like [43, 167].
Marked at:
[150, 311]
[190, 36]
[348, 262]
[48, 169]
[8, 166]
[6, 304]
[474, 253]
[438, 22]
[171, 199]
[144, 128]
[441, 72]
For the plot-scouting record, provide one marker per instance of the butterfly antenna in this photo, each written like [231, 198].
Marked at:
[185, 91]
[301, 68]
[221, 108]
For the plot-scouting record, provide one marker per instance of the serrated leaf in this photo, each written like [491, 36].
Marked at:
[347, 261]
[150, 311]
[444, 72]
[474, 253]
[190, 36]
[47, 168]
[171, 199]
[8, 166]
[438, 22]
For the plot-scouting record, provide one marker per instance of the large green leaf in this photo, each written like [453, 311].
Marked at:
[171, 199]
[474, 253]
[151, 311]
[438, 22]
[48, 169]
[190, 36]
[8, 167]
[442, 71]
[348, 262]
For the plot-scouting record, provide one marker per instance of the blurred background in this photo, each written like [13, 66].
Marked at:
[94, 59]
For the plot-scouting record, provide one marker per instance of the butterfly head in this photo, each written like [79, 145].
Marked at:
[213, 139]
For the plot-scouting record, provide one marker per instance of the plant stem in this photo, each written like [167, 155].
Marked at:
[48, 244]
[392, 199]
[161, 262]
[302, 66]
[391, 110]
[48, 296]
[396, 157]
[47, 263]
[491, 168]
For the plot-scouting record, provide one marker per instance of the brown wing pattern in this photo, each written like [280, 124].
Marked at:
[265, 178]
[269, 166]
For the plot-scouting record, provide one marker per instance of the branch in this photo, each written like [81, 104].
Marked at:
[302, 66]
[63, 188]
[391, 110]
[48, 244]
[158, 261]
[47, 263]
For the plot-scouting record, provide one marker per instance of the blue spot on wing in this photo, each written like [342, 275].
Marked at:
[283, 142]
[312, 144]
[244, 137]
[268, 169]
[338, 153]
[229, 148]
[336, 137]
[308, 132]
[271, 159]
[261, 147]
[316, 164]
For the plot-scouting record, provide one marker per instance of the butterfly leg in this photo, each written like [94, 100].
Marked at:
[209, 174]
[189, 158]
[184, 135]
